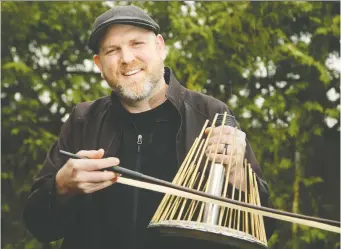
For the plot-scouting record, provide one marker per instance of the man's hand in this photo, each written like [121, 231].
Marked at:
[84, 175]
[230, 144]
[228, 149]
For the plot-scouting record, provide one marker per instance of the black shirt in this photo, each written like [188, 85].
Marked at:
[148, 145]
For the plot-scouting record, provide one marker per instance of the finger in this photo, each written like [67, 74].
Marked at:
[223, 129]
[94, 164]
[212, 130]
[228, 130]
[237, 179]
[225, 159]
[225, 149]
[226, 139]
[234, 150]
[100, 186]
[214, 148]
[94, 176]
[93, 154]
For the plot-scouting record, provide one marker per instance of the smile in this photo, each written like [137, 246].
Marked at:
[132, 72]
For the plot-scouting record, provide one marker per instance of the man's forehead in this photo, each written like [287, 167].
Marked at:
[120, 32]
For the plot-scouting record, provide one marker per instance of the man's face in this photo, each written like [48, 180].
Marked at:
[131, 61]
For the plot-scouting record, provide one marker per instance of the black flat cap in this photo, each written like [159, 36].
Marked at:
[130, 15]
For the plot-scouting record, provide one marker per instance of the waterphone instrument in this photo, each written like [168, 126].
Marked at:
[181, 216]
[203, 203]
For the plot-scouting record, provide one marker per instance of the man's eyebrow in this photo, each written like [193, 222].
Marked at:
[138, 38]
[135, 39]
[110, 46]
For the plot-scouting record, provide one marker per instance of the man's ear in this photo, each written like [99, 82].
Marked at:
[97, 62]
[160, 44]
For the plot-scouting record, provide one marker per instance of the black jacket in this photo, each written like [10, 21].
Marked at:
[94, 125]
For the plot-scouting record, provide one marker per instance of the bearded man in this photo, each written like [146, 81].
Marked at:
[147, 124]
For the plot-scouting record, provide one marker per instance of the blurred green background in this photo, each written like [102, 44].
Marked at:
[282, 60]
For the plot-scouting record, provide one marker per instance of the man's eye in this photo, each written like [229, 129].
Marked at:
[112, 51]
[137, 43]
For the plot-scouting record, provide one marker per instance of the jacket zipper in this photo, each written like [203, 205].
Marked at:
[136, 191]
[138, 158]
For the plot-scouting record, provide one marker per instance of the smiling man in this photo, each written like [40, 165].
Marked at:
[131, 61]
[147, 124]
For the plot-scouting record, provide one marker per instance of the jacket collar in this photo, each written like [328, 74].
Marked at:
[175, 93]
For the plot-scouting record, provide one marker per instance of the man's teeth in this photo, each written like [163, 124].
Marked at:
[132, 72]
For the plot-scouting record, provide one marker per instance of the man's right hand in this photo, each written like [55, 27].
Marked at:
[84, 175]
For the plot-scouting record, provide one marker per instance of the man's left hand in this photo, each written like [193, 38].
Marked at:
[227, 146]
[225, 142]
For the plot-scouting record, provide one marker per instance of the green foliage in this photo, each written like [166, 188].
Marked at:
[273, 54]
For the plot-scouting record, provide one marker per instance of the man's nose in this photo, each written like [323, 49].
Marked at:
[127, 55]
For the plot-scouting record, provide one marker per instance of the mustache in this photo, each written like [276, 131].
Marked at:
[134, 65]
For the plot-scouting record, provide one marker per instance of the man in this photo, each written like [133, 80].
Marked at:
[147, 124]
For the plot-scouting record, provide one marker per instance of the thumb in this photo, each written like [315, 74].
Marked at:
[92, 154]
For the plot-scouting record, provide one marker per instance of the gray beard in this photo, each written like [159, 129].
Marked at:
[131, 96]
[149, 85]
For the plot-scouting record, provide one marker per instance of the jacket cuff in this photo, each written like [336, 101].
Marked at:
[45, 196]
[60, 205]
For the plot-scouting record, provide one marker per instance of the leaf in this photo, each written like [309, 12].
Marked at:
[293, 128]
[285, 163]
[311, 181]
[20, 67]
[313, 106]
[5, 208]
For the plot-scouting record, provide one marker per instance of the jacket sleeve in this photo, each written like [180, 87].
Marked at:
[43, 217]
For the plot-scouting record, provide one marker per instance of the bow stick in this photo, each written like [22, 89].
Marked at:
[140, 180]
